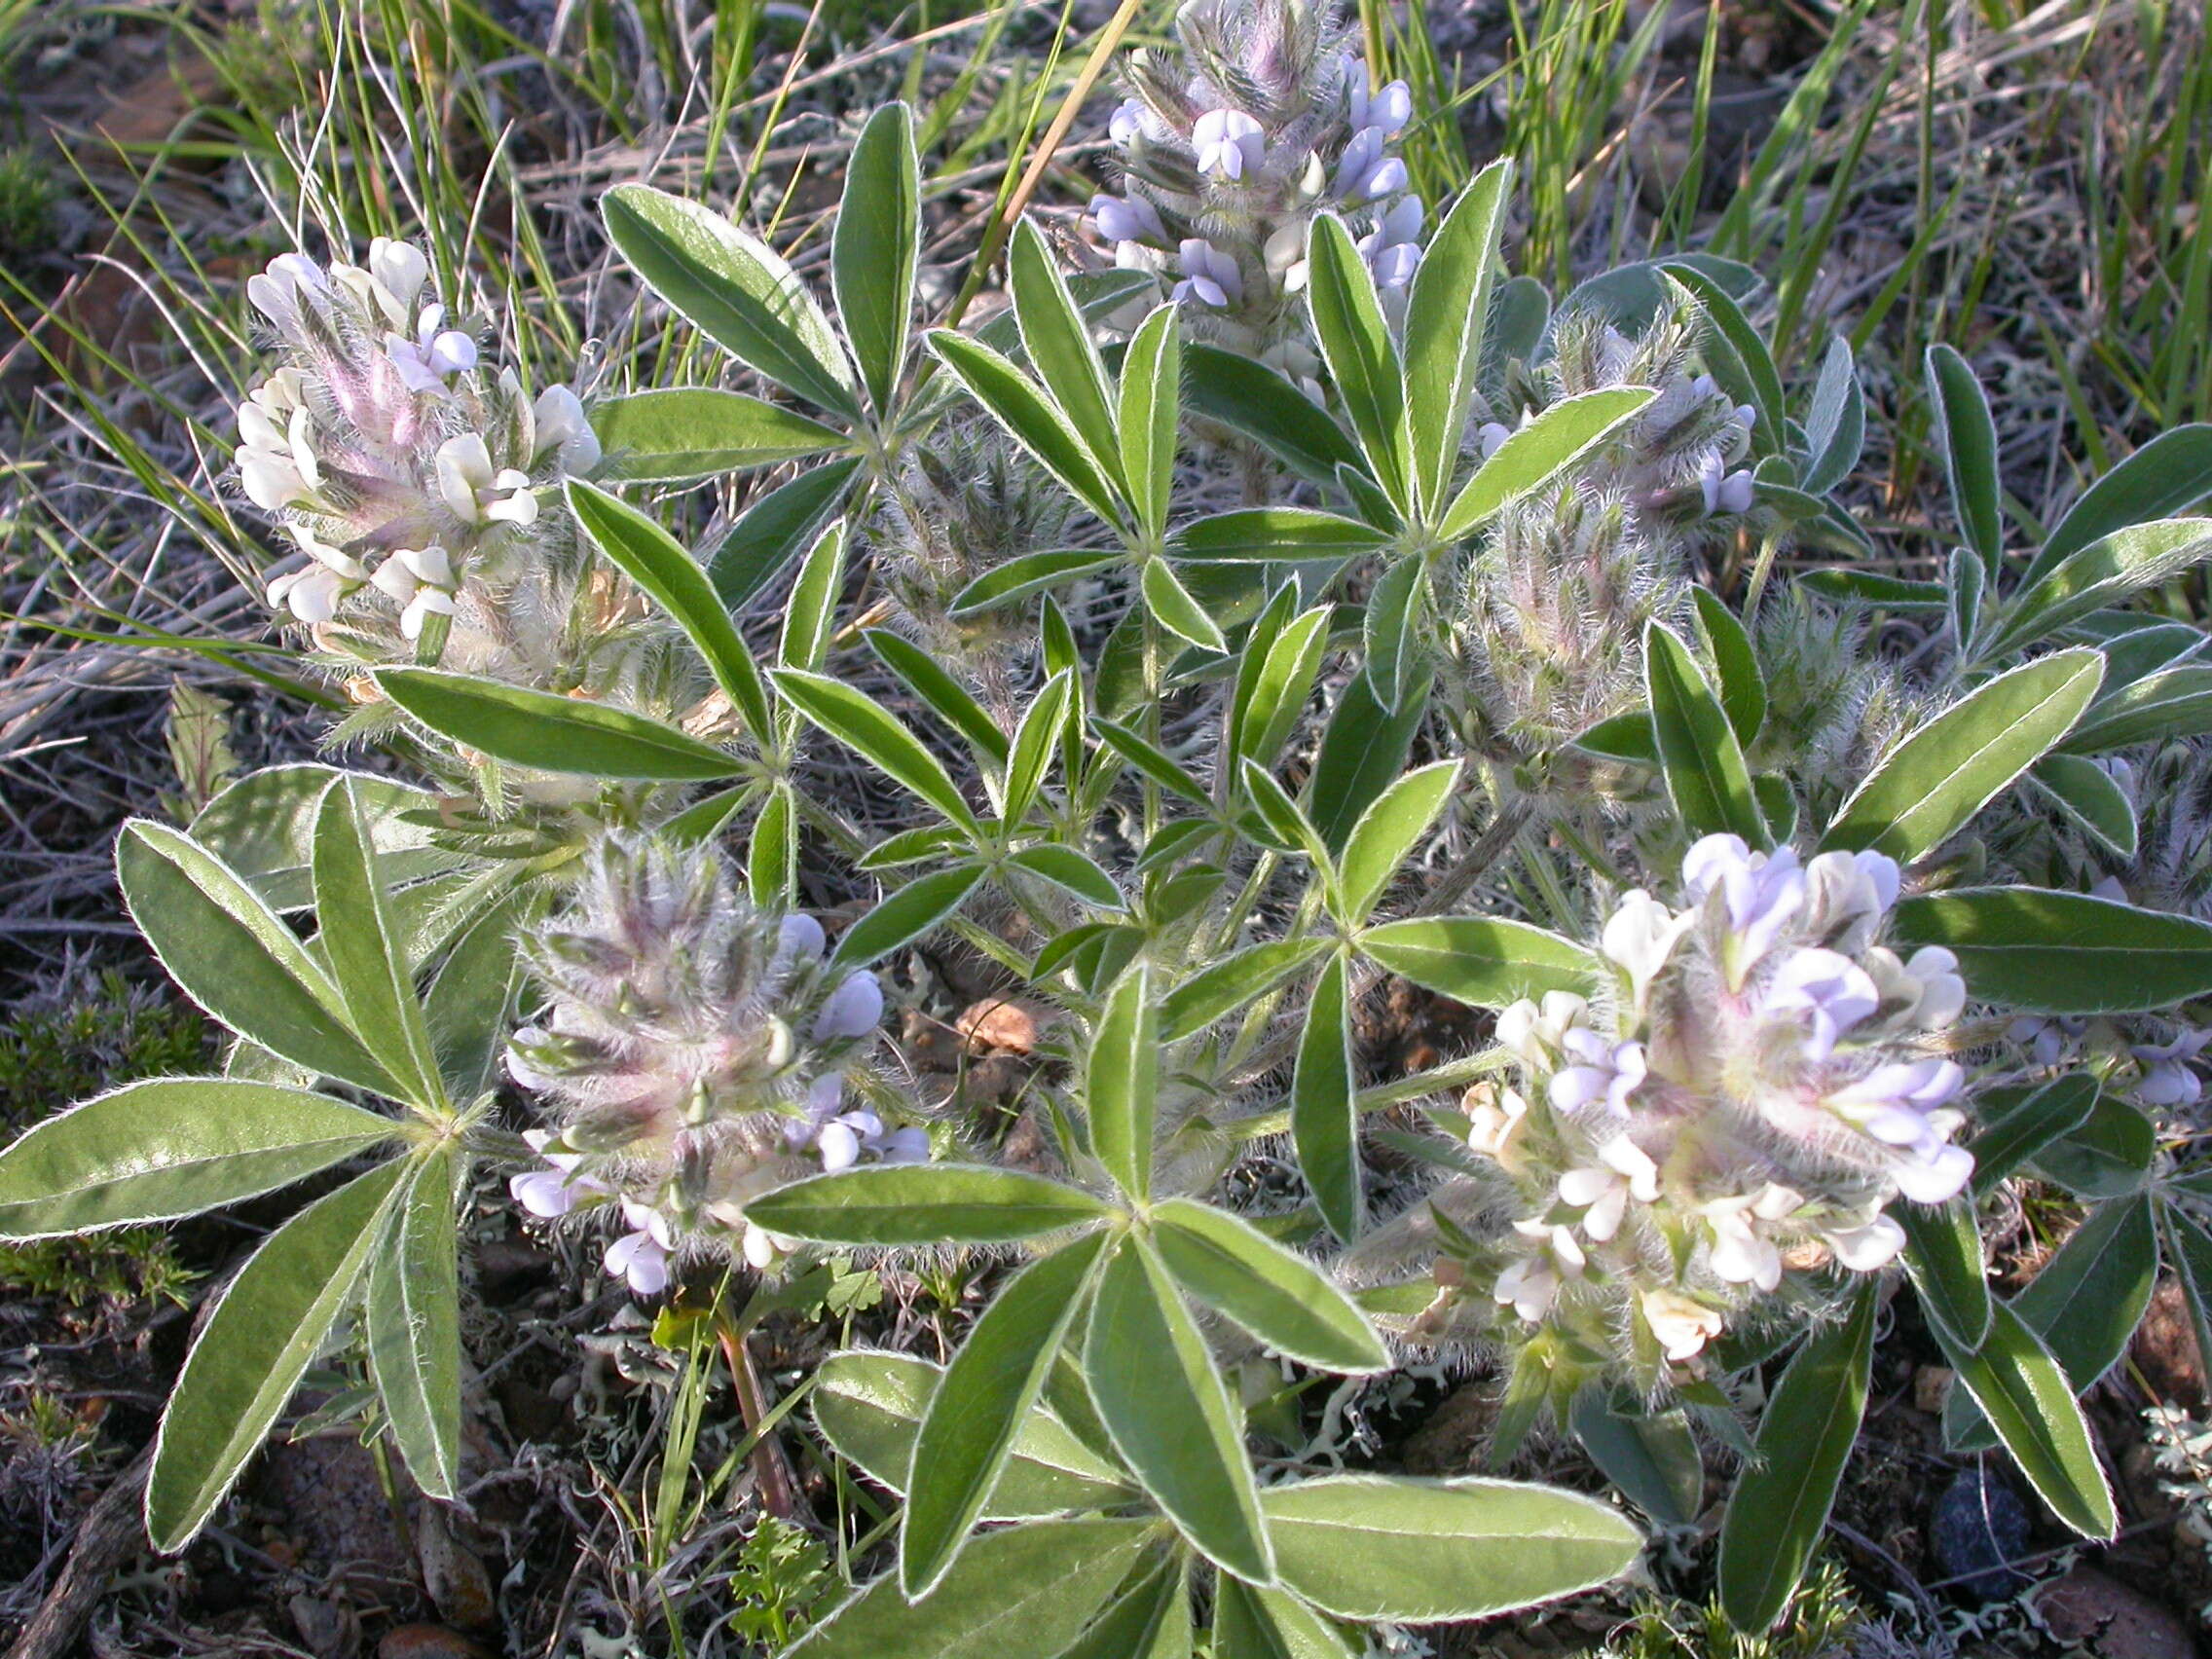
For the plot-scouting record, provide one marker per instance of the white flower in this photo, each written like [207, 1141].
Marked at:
[1831, 989]
[433, 356]
[1740, 1254]
[1867, 1248]
[1640, 935]
[1532, 1283]
[1210, 275]
[1229, 143]
[1682, 1326]
[427, 601]
[1497, 1117]
[312, 595]
[1126, 124]
[1535, 1033]
[558, 422]
[276, 292]
[475, 493]
[1623, 1171]
[762, 1248]
[400, 272]
[1133, 220]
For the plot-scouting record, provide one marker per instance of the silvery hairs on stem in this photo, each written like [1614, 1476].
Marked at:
[692, 1052]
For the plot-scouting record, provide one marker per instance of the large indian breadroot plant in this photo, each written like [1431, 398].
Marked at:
[1791, 952]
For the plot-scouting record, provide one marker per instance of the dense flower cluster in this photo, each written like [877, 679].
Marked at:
[692, 1052]
[1549, 628]
[395, 463]
[1231, 147]
[1765, 1082]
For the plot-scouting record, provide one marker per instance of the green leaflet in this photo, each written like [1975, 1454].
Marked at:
[1235, 1269]
[1939, 776]
[172, 1147]
[1420, 1551]
[869, 1406]
[413, 1322]
[270, 1323]
[1780, 1504]
[924, 1204]
[1163, 1400]
[2024, 1393]
[987, 1390]
[1045, 1580]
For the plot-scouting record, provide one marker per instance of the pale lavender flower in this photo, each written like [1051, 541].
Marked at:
[1210, 275]
[1135, 221]
[1723, 491]
[1229, 143]
[1833, 991]
[1364, 173]
[1385, 111]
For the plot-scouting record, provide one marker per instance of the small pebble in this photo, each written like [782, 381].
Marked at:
[1978, 1524]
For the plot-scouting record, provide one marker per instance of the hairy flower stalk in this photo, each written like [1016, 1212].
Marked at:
[1762, 1084]
[1232, 146]
[693, 1052]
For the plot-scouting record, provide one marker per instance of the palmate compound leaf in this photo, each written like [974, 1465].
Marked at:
[172, 1147]
[1420, 1551]
[1027, 1590]
[266, 1329]
[1781, 1504]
